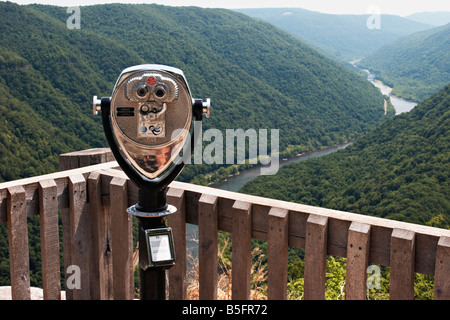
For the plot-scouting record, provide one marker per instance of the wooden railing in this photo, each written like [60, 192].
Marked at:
[97, 238]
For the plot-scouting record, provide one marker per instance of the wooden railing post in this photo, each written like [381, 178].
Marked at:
[315, 257]
[277, 254]
[442, 270]
[358, 247]
[100, 231]
[48, 215]
[402, 265]
[177, 221]
[241, 250]
[208, 221]
[67, 249]
[18, 243]
[79, 282]
[122, 240]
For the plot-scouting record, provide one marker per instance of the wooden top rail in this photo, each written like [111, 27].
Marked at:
[86, 196]
[31, 186]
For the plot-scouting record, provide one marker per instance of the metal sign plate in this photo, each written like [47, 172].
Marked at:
[160, 247]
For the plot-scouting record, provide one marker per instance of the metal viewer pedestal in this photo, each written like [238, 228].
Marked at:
[156, 250]
[147, 158]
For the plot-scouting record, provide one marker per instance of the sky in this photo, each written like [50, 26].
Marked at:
[397, 7]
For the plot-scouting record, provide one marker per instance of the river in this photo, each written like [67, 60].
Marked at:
[401, 105]
[236, 182]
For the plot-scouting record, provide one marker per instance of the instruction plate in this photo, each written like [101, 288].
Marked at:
[160, 247]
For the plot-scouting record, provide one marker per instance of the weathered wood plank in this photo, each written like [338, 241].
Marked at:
[97, 291]
[208, 221]
[425, 256]
[101, 274]
[84, 158]
[241, 250]
[31, 186]
[337, 237]
[402, 265]
[48, 215]
[177, 221]
[80, 239]
[358, 248]
[122, 241]
[315, 257]
[297, 229]
[277, 254]
[67, 249]
[442, 278]
[18, 244]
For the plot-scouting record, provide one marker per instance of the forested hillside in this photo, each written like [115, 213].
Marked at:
[415, 66]
[400, 171]
[343, 36]
[256, 76]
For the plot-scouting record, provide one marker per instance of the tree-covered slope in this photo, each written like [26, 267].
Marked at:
[47, 76]
[343, 36]
[256, 76]
[415, 66]
[401, 170]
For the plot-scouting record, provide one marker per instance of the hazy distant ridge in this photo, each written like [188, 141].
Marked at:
[343, 36]
[433, 18]
[416, 66]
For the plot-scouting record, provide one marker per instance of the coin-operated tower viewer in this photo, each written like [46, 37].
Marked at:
[147, 123]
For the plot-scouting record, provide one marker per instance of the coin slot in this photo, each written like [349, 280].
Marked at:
[125, 112]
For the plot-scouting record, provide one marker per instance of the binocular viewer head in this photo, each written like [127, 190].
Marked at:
[150, 114]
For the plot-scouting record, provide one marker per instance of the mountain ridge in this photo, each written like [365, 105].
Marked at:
[256, 75]
[438, 18]
[341, 36]
[416, 66]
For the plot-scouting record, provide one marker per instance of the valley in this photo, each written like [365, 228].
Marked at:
[345, 147]
[415, 66]
[237, 181]
[400, 105]
[227, 56]
[398, 171]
